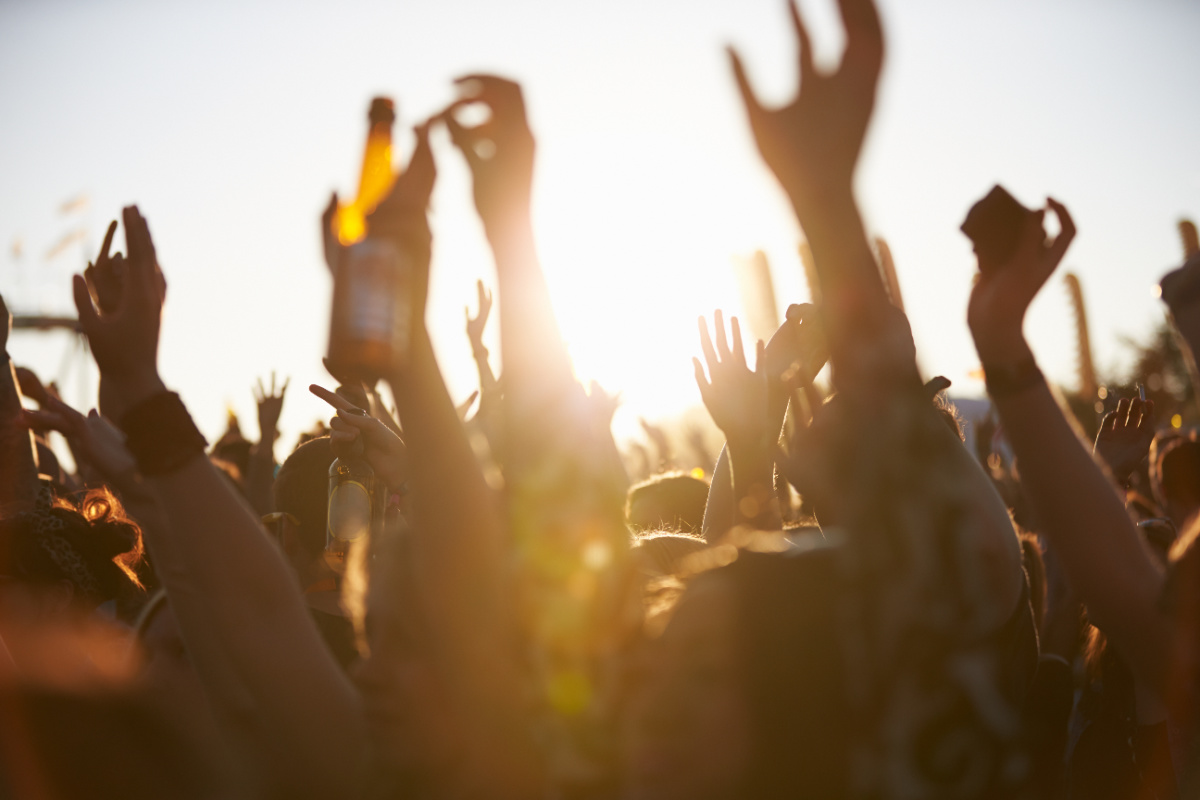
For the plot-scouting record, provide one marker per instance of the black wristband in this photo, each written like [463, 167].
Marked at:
[1007, 380]
[161, 435]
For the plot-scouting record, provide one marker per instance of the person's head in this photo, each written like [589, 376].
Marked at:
[662, 553]
[673, 502]
[301, 491]
[1035, 573]
[233, 446]
[1175, 476]
[743, 693]
[68, 554]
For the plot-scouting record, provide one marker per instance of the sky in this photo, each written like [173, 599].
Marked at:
[229, 123]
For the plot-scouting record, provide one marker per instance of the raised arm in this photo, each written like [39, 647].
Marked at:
[1074, 501]
[812, 146]
[261, 473]
[18, 475]
[457, 521]
[793, 357]
[736, 398]
[269, 677]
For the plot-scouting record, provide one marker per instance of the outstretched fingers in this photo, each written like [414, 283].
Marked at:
[706, 345]
[805, 54]
[335, 400]
[1058, 248]
[749, 99]
[739, 352]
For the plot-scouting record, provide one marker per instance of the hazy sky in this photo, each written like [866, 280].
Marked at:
[230, 123]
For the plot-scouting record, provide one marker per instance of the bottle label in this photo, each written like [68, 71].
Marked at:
[349, 511]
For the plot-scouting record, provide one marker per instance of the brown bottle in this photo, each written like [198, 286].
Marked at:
[371, 321]
[353, 495]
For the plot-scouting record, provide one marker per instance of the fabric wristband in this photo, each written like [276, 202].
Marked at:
[161, 435]
[1007, 380]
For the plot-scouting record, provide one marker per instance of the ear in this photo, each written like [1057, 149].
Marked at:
[58, 597]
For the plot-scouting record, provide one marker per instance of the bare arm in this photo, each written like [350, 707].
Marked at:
[1074, 500]
[812, 145]
[18, 475]
[458, 532]
[281, 694]
[260, 476]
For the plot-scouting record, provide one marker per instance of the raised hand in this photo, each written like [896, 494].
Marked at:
[353, 428]
[270, 406]
[106, 273]
[32, 386]
[499, 151]
[124, 336]
[476, 324]
[812, 143]
[797, 350]
[401, 217]
[1001, 297]
[735, 395]
[94, 441]
[5, 325]
[1125, 435]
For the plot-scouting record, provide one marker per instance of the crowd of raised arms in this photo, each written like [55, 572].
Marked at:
[854, 605]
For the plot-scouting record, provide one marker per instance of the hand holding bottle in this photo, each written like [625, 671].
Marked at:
[353, 428]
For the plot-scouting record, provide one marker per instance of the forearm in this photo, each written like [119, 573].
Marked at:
[487, 378]
[457, 540]
[532, 348]
[229, 586]
[754, 501]
[18, 475]
[850, 283]
[260, 476]
[718, 511]
[1086, 522]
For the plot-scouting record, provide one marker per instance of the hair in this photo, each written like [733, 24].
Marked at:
[89, 542]
[1035, 574]
[302, 490]
[662, 553]
[1175, 470]
[949, 414]
[787, 637]
[673, 501]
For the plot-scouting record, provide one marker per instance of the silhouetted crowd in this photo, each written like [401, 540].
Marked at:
[425, 601]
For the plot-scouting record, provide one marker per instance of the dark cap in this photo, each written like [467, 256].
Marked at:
[382, 110]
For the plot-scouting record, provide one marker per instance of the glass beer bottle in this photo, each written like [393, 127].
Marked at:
[372, 313]
[352, 502]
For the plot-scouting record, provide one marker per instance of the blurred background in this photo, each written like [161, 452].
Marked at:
[230, 123]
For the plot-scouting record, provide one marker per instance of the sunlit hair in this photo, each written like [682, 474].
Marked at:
[949, 414]
[670, 561]
[673, 501]
[1035, 574]
[88, 542]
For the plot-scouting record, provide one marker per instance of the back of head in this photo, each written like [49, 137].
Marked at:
[88, 543]
[794, 672]
[302, 490]
[674, 501]
[662, 554]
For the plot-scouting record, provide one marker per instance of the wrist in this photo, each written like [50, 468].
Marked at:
[814, 205]
[1001, 345]
[1012, 377]
[135, 388]
[510, 231]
